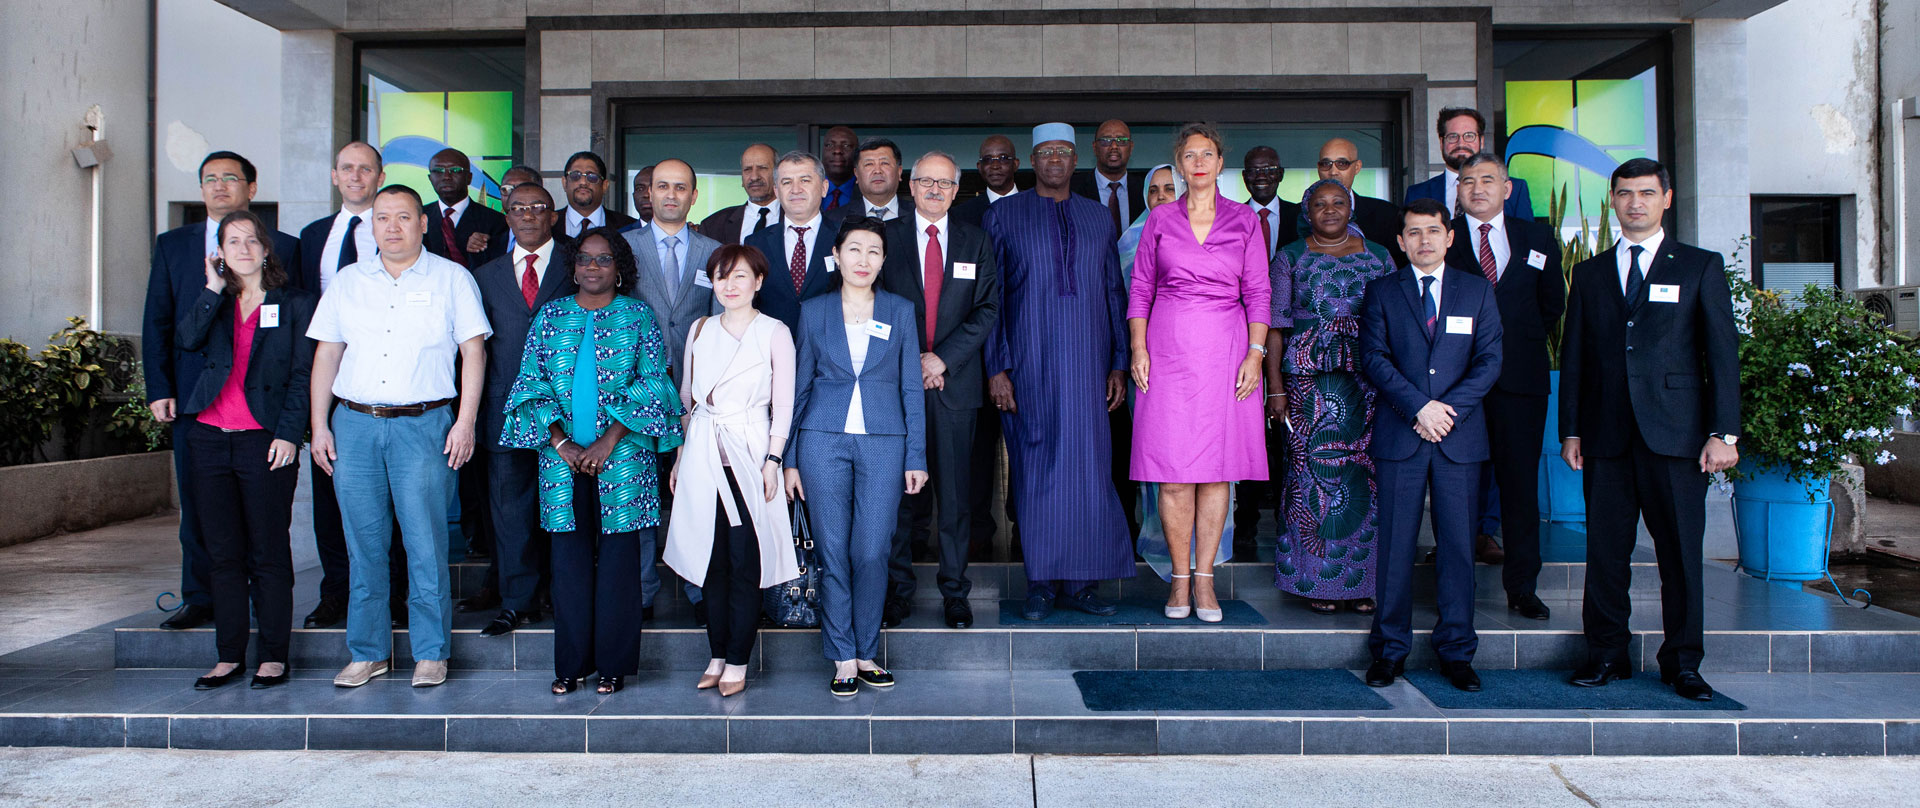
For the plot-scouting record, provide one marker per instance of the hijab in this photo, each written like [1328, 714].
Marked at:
[1306, 225]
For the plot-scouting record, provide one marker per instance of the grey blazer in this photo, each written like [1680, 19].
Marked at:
[676, 312]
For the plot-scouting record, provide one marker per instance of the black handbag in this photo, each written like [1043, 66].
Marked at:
[796, 603]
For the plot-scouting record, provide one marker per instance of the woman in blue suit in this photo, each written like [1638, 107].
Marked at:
[858, 405]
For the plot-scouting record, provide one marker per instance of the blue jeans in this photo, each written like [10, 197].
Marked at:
[388, 468]
[854, 484]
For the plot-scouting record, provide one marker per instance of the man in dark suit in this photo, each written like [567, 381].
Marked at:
[179, 272]
[586, 184]
[760, 211]
[1522, 260]
[1463, 133]
[1279, 225]
[878, 170]
[512, 288]
[997, 165]
[1649, 406]
[1430, 342]
[837, 149]
[1379, 220]
[946, 268]
[642, 199]
[798, 249]
[1110, 183]
[459, 229]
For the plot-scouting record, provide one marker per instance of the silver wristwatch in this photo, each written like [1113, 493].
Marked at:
[1726, 438]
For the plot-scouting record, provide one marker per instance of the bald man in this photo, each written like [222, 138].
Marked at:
[1123, 192]
[1378, 219]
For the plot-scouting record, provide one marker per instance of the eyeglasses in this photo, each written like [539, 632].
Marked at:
[447, 170]
[1338, 165]
[576, 176]
[603, 260]
[929, 182]
[1112, 141]
[220, 179]
[1462, 137]
[1000, 159]
[529, 210]
[1057, 151]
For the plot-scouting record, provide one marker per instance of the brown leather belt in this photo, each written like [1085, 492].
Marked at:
[401, 411]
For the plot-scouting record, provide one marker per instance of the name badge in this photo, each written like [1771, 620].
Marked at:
[419, 298]
[964, 272]
[703, 279]
[1536, 259]
[1664, 293]
[878, 329]
[269, 315]
[1459, 325]
[832, 265]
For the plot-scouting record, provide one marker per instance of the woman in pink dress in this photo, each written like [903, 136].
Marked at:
[1198, 317]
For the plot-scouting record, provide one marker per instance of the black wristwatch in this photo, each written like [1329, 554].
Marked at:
[775, 459]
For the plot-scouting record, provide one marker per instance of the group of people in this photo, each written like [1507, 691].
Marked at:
[839, 358]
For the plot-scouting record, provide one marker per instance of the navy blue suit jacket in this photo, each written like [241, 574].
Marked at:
[1519, 203]
[173, 288]
[777, 298]
[1411, 369]
[892, 400]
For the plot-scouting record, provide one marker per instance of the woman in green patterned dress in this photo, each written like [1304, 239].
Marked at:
[1325, 552]
[593, 396]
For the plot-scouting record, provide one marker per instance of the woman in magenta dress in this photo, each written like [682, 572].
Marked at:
[1198, 318]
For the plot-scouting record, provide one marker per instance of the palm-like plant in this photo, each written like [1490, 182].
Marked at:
[1574, 250]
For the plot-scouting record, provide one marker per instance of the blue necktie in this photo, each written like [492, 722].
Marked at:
[1432, 307]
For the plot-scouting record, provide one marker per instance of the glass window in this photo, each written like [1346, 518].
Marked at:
[417, 100]
[1798, 243]
[713, 152]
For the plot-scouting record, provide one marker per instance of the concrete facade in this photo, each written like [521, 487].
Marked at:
[216, 86]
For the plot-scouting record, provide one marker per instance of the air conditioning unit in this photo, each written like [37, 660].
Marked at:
[1899, 304]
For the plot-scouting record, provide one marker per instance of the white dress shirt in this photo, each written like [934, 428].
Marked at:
[888, 212]
[857, 342]
[598, 218]
[785, 257]
[453, 212]
[402, 334]
[1273, 221]
[542, 257]
[1452, 186]
[1623, 255]
[995, 196]
[750, 216]
[1496, 238]
[363, 243]
[213, 236]
[1107, 190]
[920, 238]
[1439, 280]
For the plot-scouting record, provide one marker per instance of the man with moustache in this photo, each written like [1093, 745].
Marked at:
[997, 166]
[586, 183]
[838, 150]
[1463, 133]
[761, 210]
[1121, 191]
[459, 230]
[800, 245]
[877, 169]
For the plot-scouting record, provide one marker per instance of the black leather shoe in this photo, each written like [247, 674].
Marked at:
[397, 614]
[1528, 606]
[1689, 685]
[189, 616]
[1382, 672]
[1039, 606]
[959, 613]
[1085, 600]
[264, 682]
[895, 612]
[211, 682]
[328, 613]
[1595, 674]
[700, 614]
[483, 601]
[646, 613]
[1461, 675]
[877, 677]
[507, 621]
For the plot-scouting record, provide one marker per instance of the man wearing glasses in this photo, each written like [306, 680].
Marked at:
[1378, 219]
[946, 268]
[998, 165]
[227, 184]
[586, 185]
[457, 229]
[1463, 133]
[1120, 191]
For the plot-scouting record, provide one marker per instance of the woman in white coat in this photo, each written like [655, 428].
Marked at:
[730, 528]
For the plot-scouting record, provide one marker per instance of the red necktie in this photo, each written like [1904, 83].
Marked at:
[936, 274]
[454, 253]
[1266, 231]
[797, 265]
[1487, 267]
[530, 282]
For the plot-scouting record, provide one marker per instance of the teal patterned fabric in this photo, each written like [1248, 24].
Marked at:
[630, 354]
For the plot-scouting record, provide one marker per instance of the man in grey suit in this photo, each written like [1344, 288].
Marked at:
[673, 282]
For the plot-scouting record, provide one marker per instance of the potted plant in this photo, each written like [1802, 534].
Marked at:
[1561, 497]
[1821, 381]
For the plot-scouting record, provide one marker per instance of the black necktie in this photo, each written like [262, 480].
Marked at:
[349, 248]
[1634, 277]
[762, 224]
[1113, 208]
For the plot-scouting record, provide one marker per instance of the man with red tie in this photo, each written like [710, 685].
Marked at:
[458, 229]
[1280, 225]
[946, 267]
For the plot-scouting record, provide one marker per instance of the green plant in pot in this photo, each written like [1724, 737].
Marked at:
[1562, 498]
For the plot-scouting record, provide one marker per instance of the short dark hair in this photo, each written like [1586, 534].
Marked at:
[863, 224]
[875, 143]
[1641, 167]
[599, 165]
[1450, 113]
[247, 170]
[1424, 206]
[531, 187]
[730, 255]
[272, 274]
[524, 169]
[394, 188]
[1484, 158]
[626, 271]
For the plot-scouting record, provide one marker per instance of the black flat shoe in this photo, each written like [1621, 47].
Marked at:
[1689, 685]
[1528, 606]
[1461, 675]
[1323, 606]
[959, 613]
[1361, 606]
[1382, 672]
[1597, 674]
[264, 682]
[211, 682]
[1086, 601]
[878, 677]
[610, 685]
[507, 621]
[1039, 607]
[562, 686]
[188, 617]
[844, 687]
[327, 614]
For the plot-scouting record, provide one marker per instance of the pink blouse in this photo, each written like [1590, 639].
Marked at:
[229, 409]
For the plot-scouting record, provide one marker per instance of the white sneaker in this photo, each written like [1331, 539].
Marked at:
[429, 672]
[359, 673]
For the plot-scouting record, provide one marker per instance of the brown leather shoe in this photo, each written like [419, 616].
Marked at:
[1487, 550]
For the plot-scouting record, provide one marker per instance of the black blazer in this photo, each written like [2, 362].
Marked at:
[478, 219]
[1411, 368]
[858, 207]
[280, 362]
[1531, 299]
[1287, 229]
[1088, 183]
[777, 298]
[724, 224]
[968, 307]
[1670, 370]
[1379, 221]
[507, 312]
[313, 239]
[178, 273]
[972, 211]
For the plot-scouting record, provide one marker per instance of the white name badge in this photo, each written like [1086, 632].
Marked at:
[1536, 259]
[964, 272]
[270, 315]
[832, 265]
[419, 298]
[1664, 293]
[875, 328]
[1459, 325]
[703, 279]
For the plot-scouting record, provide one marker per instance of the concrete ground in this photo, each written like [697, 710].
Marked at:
[62, 777]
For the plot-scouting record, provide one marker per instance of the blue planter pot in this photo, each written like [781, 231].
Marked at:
[1561, 497]
[1783, 526]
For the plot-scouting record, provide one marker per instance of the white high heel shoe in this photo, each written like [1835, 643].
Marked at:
[1207, 615]
[1179, 612]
